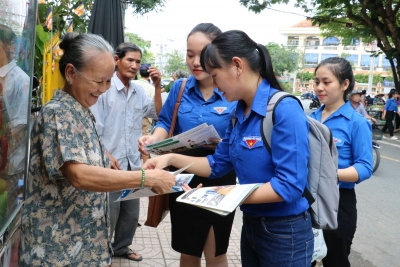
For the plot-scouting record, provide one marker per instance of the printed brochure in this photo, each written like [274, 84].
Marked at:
[219, 199]
[133, 193]
[193, 138]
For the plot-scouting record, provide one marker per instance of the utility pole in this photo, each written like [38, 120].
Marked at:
[161, 57]
[371, 69]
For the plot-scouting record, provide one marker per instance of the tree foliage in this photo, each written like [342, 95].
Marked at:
[305, 76]
[175, 61]
[363, 78]
[370, 20]
[63, 14]
[284, 59]
[141, 7]
[147, 55]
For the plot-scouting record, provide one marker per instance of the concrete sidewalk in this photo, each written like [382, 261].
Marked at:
[154, 244]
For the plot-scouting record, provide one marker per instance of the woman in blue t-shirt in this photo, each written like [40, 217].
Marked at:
[196, 231]
[276, 224]
[351, 132]
[389, 113]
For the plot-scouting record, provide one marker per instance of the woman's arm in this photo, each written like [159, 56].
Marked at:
[361, 154]
[349, 174]
[263, 194]
[200, 166]
[98, 179]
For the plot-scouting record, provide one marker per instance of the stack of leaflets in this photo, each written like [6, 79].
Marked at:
[133, 193]
[195, 137]
[219, 199]
[180, 179]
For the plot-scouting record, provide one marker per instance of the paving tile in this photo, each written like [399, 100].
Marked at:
[154, 244]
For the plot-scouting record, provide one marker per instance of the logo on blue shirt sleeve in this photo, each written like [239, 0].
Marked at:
[337, 140]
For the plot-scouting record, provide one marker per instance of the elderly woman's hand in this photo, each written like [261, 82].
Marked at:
[161, 181]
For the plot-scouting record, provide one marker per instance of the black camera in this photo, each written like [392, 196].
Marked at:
[144, 69]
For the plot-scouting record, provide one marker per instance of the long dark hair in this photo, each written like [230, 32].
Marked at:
[237, 43]
[208, 29]
[342, 70]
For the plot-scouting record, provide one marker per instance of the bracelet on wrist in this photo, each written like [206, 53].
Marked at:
[143, 178]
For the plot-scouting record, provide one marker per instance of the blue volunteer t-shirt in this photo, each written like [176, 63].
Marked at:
[194, 110]
[353, 138]
[286, 169]
[391, 105]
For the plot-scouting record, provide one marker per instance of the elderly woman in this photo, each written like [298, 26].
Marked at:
[65, 220]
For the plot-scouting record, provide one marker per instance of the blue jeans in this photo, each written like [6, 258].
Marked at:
[277, 241]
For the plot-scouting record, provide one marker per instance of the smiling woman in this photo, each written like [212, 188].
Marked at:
[69, 172]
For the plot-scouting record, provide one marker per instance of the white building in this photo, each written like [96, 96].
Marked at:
[308, 39]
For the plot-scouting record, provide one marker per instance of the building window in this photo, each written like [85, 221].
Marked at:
[331, 41]
[311, 58]
[355, 42]
[293, 40]
[366, 61]
[353, 59]
[386, 63]
[312, 41]
[325, 56]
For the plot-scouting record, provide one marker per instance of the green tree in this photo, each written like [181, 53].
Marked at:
[363, 78]
[305, 76]
[284, 59]
[175, 61]
[63, 13]
[369, 20]
[141, 7]
[147, 55]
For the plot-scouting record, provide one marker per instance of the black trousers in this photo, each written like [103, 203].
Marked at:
[389, 122]
[397, 121]
[339, 241]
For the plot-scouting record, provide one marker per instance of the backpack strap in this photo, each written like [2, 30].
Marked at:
[266, 129]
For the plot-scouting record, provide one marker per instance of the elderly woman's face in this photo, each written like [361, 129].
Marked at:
[93, 79]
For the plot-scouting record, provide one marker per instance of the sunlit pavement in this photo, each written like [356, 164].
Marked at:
[154, 244]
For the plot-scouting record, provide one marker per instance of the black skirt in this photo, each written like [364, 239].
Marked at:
[190, 225]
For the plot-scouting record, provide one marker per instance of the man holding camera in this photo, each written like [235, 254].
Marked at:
[119, 113]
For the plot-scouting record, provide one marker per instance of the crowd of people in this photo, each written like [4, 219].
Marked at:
[89, 143]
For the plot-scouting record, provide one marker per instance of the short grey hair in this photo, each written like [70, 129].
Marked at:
[181, 74]
[76, 47]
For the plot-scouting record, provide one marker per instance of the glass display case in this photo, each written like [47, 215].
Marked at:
[17, 43]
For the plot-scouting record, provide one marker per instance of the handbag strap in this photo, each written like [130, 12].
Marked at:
[178, 102]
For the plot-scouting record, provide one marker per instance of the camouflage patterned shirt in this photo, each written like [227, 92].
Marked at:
[63, 225]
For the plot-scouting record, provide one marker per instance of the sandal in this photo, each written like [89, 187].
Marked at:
[129, 253]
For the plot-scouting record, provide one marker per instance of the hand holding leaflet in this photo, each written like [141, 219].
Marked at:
[219, 199]
[180, 179]
[194, 138]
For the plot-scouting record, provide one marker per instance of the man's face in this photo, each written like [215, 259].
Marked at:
[9, 49]
[356, 98]
[128, 66]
